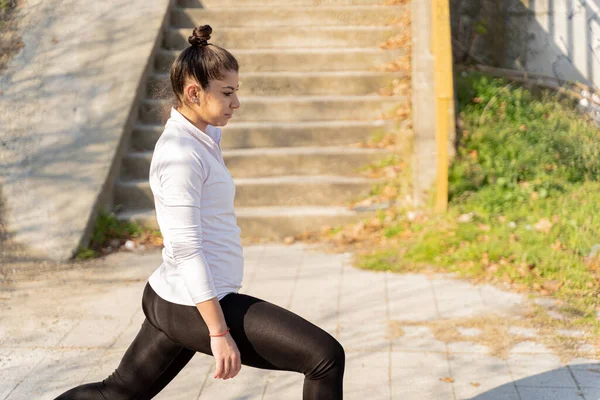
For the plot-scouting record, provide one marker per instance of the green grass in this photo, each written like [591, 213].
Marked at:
[108, 227]
[6, 8]
[528, 172]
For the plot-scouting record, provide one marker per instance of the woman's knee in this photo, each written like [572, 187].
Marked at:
[336, 352]
[329, 356]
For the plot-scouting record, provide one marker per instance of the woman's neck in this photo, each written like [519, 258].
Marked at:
[193, 117]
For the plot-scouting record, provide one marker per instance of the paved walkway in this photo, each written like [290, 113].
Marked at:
[69, 327]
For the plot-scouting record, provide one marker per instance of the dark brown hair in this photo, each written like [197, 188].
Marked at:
[202, 62]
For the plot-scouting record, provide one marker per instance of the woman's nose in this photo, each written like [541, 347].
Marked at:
[235, 103]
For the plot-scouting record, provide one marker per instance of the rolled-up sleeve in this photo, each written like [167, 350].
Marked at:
[181, 186]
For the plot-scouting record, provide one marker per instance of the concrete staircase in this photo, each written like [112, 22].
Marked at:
[308, 88]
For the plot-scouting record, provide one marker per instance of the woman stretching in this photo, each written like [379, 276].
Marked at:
[191, 302]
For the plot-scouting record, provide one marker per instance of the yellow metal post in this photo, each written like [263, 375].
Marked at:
[444, 96]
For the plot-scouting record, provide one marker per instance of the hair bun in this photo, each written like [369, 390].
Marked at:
[200, 36]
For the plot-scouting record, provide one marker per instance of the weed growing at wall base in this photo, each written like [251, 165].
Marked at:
[10, 42]
[108, 228]
[524, 196]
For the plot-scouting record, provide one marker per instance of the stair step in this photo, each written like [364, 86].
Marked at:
[294, 36]
[269, 222]
[269, 191]
[242, 135]
[301, 16]
[297, 59]
[249, 163]
[342, 83]
[249, 3]
[292, 108]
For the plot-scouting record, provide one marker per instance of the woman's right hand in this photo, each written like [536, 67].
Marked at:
[227, 356]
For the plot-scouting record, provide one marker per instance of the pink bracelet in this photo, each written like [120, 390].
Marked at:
[220, 334]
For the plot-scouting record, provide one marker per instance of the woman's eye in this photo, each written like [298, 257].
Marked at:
[228, 94]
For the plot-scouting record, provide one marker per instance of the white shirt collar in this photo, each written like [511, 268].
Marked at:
[212, 132]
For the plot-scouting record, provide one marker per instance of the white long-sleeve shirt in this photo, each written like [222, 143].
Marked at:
[193, 195]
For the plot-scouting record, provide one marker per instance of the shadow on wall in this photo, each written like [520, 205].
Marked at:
[63, 109]
[557, 38]
[579, 381]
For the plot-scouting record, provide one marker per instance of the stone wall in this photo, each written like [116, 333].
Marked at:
[68, 102]
[557, 38]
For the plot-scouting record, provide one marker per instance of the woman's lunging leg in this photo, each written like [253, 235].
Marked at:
[267, 336]
[149, 364]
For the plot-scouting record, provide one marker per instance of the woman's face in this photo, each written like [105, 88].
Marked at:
[218, 102]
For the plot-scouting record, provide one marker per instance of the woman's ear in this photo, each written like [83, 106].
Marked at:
[192, 92]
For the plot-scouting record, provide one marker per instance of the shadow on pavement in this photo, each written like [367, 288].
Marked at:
[572, 382]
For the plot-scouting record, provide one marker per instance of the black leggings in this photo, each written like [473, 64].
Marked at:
[267, 336]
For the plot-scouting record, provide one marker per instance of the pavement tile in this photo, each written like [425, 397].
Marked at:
[373, 336]
[570, 332]
[417, 338]
[411, 298]
[284, 385]
[253, 252]
[524, 332]
[362, 296]
[18, 331]
[530, 347]
[401, 285]
[321, 274]
[361, 390]
[367, 375]
[457, 299]
[583, 363]
[499, 301]
[435, 363]
[416, 375]
[58, 372]
[271, 271]
[504, 392]
[586, 348]
[5, 353]
[539, 371]
[276, 292]
[467, 347]
[18, 366]
[248, 384]
[323, 261]
[587, 376]
[354, 312]
[475, 374]
[316, 298]
[94, 333]
[420, 385]
[365, 360]
[548, 393]
[469, 332]
[591, 393]
[118, 302]
[418, 308]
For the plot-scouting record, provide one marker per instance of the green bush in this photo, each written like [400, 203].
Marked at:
[514, 143]
[527, 176]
